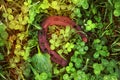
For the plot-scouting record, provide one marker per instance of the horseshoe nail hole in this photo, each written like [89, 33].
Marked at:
[45, 50]
[51, 55]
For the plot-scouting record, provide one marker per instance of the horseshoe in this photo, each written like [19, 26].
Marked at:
[42, 36]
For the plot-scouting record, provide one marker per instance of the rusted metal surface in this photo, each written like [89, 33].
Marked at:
[42, 36]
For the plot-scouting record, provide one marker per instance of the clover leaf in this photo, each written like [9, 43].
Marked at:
[41, 62]
[117, 9]
[96, 55]
[110, 77]
[85, 4]
[96, 41]
[3, 34]
[45, 4]
[105, 62]
[117, 5]
[43, 76]
[80, 75]
[68, 69]
[1, 56]
[77, 12]
[117, 12]
[97, 68]
[104, 53]
[54, 5]
[66, 77]
[67, 29]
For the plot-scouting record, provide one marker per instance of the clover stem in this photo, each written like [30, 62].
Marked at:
[85, 67]
[38, 49]
[34, 71]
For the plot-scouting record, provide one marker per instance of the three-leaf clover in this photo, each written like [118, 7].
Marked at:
[54, 5]
[66, 77]
[80, 75]
[69, 46]
[45, 4]
[90, 25]
[97, 68]
[77, 12]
